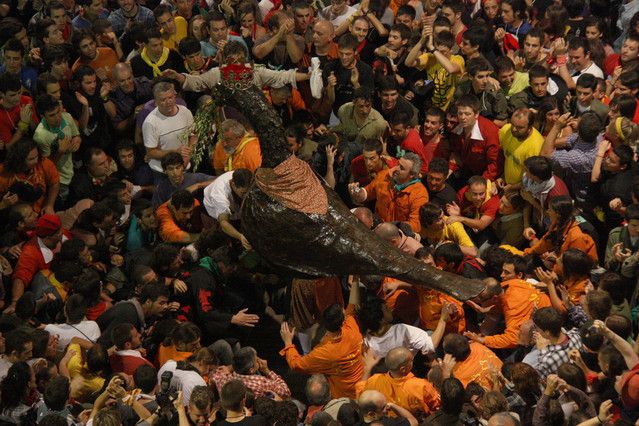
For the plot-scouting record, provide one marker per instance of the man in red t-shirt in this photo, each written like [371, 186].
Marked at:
[435, 144]
[17, 114]
[628, 57]
[403, 137]
[127, 357]
[476, 208]
[36, 255]
[365, 167]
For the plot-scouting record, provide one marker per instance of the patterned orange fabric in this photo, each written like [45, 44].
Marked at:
[476, 368]
[430, 308]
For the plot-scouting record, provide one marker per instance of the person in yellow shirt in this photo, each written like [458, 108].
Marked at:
[173, 28]
[519, 140]
[86, 377]
[442, 67]
[436, 229]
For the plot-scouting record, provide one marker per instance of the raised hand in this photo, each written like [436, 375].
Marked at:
[370, 359]
[563, 120]
[355, 76]
[331, 80]
[25, 113]
[83, 101]
[287, 333]
[453, 209]
[331, 151]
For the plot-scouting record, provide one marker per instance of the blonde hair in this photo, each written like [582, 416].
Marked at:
[626, 130]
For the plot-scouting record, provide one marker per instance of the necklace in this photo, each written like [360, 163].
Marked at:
[13, 126]
[236, 417]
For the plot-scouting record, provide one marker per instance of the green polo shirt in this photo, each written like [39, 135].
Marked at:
[373, 127]
[47, 140]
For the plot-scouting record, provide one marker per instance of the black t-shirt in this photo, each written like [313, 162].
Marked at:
[344, 89]
[446, 196]
[141, 69]
[256, 420]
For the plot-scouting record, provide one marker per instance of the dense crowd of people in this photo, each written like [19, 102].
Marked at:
[493, 139]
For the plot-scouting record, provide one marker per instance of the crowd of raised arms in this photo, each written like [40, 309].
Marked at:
[493, 139]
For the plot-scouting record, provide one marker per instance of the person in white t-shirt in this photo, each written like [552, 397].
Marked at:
[188, 374]
[338, 12]
[223, 198]
[380, 335]
[167, 128]
[578, 62]
[76, 324]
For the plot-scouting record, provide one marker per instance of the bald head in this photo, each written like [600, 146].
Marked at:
[324, 25]
[120, 68]
[364, 215]
[388, 232]
[323, 33]
[398, 358]
[123, 76]
[371, 401]
[493, 287]
[503, 419]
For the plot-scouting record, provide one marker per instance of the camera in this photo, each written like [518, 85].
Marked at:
[424, 89]
[166, 395]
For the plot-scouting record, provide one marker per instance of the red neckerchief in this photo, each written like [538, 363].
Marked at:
[361, 46]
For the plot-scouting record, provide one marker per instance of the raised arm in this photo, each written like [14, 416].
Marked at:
[549, 143]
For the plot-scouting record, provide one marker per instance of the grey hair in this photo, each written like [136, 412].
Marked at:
[161, 87]
[417, 162]
[315, 395]
[233, 126]
[244, 359]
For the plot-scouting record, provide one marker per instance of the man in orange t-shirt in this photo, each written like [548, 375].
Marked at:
[338, 355]
[399, 385]
[179, 219]
[101, 59]
[237, 149]
[518, 300]
[474, 362]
